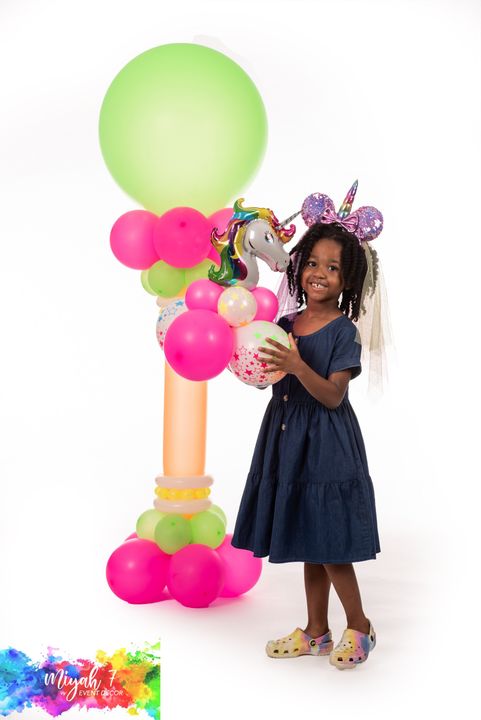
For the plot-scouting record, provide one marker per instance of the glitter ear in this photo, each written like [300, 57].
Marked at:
[346, 206]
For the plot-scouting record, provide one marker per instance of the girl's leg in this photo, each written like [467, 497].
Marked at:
[317, 585]
[344, 580]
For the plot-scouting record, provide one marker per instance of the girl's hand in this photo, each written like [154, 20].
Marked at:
[282, 358]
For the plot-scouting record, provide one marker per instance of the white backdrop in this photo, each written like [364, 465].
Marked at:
[385, 92]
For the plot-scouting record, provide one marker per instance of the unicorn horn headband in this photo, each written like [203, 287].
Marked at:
[365, 223]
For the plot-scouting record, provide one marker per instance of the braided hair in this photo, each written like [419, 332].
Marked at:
[353, 266]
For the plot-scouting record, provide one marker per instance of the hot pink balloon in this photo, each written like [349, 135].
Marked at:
[132, 536]
[196, 576]
[182, 237]
[219, 220]
[203, 295]
[242, 569]
[137, 571]
[132, 239]
[199, 344]
[267, 304]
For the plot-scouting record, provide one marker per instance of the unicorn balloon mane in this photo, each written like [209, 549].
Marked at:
[251, 233]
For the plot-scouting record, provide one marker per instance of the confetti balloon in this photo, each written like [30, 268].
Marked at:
[237, 305]
[247, 363]
[167, 316]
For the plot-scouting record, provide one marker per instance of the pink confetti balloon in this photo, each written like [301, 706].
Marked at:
[137, 571]
[167, 316]
[196, 576]
[203, 295]
[267, 304]
[198, 345]
[182, 237]
[247, 362]
[242, 569]
[132, 239]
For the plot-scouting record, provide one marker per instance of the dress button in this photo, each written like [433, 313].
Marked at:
[285, 398]
[283, 427]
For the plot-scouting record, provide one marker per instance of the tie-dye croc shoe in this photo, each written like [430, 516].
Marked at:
[353, 648]
[299, 643]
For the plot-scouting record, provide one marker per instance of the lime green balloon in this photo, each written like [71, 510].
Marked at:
[145, 282]
[199, 272]
[182, 124]
[164, 279]
[218, 511]
[173, 533]
[147, 523]
[207, 529]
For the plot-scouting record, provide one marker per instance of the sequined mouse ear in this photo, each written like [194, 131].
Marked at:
[370, 223]
[314, 208]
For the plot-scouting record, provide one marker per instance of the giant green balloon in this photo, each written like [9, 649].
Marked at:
[182, 125]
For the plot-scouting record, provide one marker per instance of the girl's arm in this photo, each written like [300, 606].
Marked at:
[329, 392]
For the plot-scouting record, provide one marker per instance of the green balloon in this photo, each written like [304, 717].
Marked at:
[164, 279]
[147, 523]
[198, 272]
[173, 533]
[207, 529]
[219, 512]
[145, 282]
[182, 125]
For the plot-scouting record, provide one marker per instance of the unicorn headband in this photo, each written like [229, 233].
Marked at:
[365, 223]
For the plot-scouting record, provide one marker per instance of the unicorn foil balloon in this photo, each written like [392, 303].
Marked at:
[250, 234]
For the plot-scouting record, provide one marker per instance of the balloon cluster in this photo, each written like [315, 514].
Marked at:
[172, 250]
[139, 571]
[217, 327]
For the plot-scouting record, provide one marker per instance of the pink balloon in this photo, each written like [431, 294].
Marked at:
[182, 237]
[137, 571]
[199, 344]
[242, 569]
[132, 536]
[219, 220]
[267, 304]
[203, 295]
[131, 239]
[196, 576]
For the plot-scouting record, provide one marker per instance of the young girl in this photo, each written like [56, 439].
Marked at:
[309, 496]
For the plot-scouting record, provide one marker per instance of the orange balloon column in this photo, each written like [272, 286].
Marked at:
[185, 415]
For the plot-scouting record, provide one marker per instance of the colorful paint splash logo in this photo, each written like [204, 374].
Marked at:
[125, 679]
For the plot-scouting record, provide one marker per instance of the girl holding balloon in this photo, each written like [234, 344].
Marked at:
[309, 496]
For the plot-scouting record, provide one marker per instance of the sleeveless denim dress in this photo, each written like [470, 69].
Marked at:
[309, 496]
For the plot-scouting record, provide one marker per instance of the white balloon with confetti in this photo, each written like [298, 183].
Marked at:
[166, 318]
[237, 305]
[247, 362]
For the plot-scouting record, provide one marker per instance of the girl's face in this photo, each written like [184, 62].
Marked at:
[321, 278]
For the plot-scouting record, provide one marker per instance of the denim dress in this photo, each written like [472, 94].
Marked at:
[309, 496]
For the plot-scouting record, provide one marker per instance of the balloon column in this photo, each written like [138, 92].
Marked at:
[182, 130]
